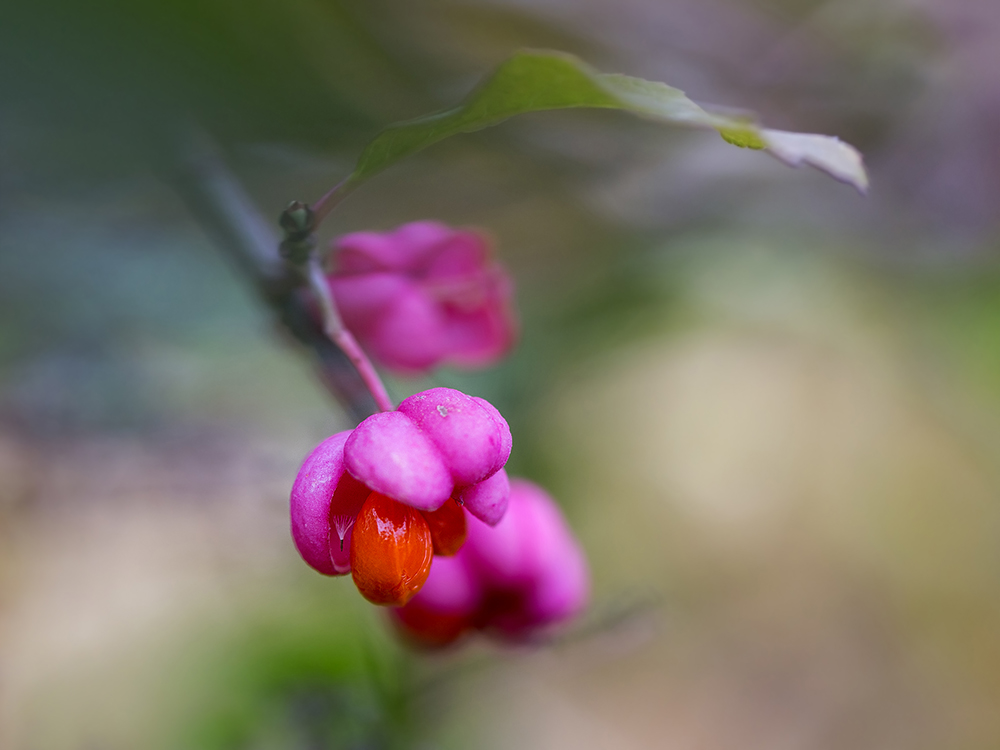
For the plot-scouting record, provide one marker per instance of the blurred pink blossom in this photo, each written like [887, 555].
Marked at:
[512, 580]
[424, 295]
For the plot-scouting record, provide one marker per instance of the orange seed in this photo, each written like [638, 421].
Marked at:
[448, 529]
[391, 551]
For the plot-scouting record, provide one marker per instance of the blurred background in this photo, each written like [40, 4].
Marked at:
[769, 406]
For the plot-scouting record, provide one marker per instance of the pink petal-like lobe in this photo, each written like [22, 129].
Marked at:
[469, 436]
[363, 298]
[310, 501]
[389, 454]
[504, 555]
[506, 441]
[407, 335]
[487, 500]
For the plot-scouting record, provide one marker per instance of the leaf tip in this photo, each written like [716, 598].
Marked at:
[827, 153]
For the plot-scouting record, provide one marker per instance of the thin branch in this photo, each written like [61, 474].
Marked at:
[322, 207]
[335, 331]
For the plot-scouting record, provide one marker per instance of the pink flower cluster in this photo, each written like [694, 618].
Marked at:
[424, 295]
[415, 502]
[512, 580]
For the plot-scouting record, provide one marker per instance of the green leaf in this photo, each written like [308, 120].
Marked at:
[535, 80]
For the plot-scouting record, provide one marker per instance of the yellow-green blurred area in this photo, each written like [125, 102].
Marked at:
[770, 407]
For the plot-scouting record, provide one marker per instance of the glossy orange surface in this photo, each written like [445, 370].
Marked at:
[448, 529]
[391, 551]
